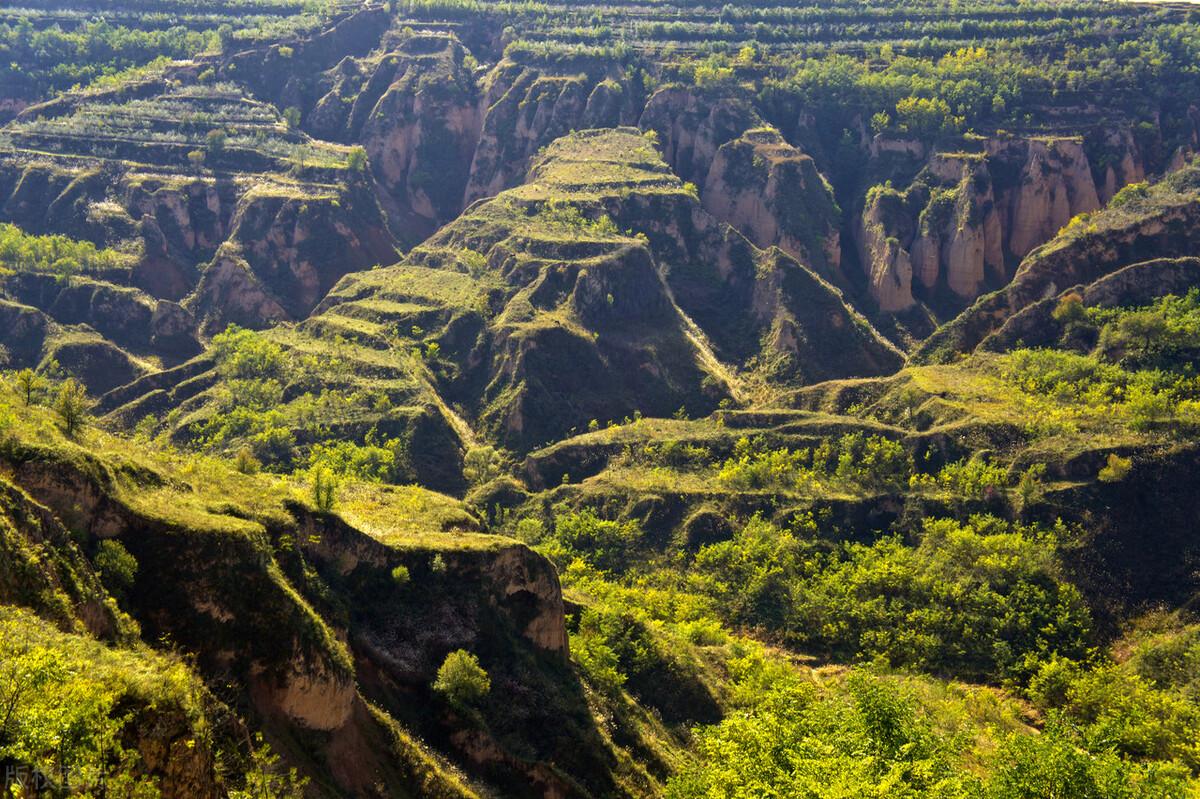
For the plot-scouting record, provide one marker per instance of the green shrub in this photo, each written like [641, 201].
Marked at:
[1055, 764]
[374, 461]
[29, 383]
[324, 488]
[245, 462]
[248, 355]
[867, 740]
[855, 462]
[461, 680]
[117, 567]
[607, 545]
[482, 464]
[1070, 309]
[972, 599]
[356, 159]
[1115, 469]
[57, 255]
[598, 661]
[267, 779]
[972, 479]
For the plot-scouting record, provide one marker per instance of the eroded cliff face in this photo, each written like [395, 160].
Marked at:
[293, 243]
[885, 225]
[773, 194]
[588, 330]
[240, 594]
[1055, 184]
[760, 311]
[968, 218]
[93, 329]
[525, 107]
[693, 125]
[415, 109]
[1135, 285]
[1162, 223]
[295, 247]
[254, 227]
[1117, 161]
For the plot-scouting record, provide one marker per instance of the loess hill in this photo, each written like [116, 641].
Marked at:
[464, 398]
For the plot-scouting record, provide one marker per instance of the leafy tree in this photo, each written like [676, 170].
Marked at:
[225, 36]
[246, 354]
[324, 489]
[974, 599]
[57, 255]
[461, 680]
[117, 567]
[214, 141]
[1030, 489]
[922, 116]
[607, 545]
[60, 711]
[591, 649]
[29, 383]
[1054, 764]
[72, 407]
[356, 160]
[1070, 310]
[482, 465]
[245, 462]
[1140, 333]
[796, 740]
[266, 778]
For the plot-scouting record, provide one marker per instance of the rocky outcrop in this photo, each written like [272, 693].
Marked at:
[23, 331]
[126, 316]
[180, 220]
[236, 296]
[526, 109]
[1116, 161]
[529, 106]
[286, 71]
[289, 208]
[880, 234]
[299, 246]
[1055, 184]
[693, 125]
[45, 570]
[1163, 224]
[415, 110]
[960, 238]
[969, 217]
[758, 309]
[774, 195]
[629, 350]
[237, 614]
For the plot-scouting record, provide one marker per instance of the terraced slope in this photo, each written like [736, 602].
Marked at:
[597, 290]
[635, 286]
[178, 172]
